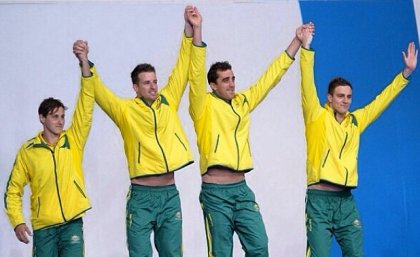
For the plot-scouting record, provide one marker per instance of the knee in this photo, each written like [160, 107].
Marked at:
[258, 249]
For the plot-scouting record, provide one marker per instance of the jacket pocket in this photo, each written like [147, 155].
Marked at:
[325, 159]
[138, 152]
[217, 143]
[79, 188]
[182, 143]
[39, 207]
[249, 147]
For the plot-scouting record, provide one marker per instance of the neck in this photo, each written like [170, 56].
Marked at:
[339, 117]
[147, 102]
[51, 139]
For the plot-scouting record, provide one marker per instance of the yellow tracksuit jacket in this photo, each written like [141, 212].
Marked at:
[332, 148]
[222, 128]
[55, 174]
[154, 141]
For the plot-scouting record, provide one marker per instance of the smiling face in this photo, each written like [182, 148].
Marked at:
[146, 88]
[224, 86]
[51, 115]
[53, 123]
[340, 101]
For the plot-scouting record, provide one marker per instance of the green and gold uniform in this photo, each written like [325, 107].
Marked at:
[332, 152]
[154, 144]
[55, 176]
[222, 129]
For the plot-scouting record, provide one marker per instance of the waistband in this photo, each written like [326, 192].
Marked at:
[143, 188]
[205, 185]
[343, 193]
[56, 226]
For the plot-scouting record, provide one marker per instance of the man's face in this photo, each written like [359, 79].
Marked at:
[225, 85]
[147, 87]
[340, 100]
[54, 122]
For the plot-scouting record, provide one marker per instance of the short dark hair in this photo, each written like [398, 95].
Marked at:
[337, 81]
[143, 67]
[214, 68]
[49, 105]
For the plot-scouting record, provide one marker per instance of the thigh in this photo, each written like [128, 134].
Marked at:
[168, 232]
[71, 242]
[249, 225]
[218, 218]
[45, 243]
[139, 224]
[349, 231]
[318, 226]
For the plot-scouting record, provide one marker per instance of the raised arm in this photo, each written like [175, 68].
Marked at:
[195, 19]
[272, 76]
[82, 117]
[178, 79]
[197, 74]
[374, 109]
[106, 99]
[310, 101]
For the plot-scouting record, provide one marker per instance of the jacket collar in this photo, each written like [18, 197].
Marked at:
[63, 141]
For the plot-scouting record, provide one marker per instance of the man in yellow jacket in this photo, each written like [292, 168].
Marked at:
[333, 137]
[155, 146]
[51, 163]
[221, 121]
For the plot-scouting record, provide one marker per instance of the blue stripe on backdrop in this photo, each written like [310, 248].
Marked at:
[362, 41]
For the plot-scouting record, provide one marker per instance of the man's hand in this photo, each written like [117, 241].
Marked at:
[305, 34]
[194, 17]
[188, 30]
[81, 50]
[22, 232]
[410, 59]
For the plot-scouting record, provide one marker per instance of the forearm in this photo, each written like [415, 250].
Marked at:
[407, 72]
[197, 38]
[293, 47]
[85, 65]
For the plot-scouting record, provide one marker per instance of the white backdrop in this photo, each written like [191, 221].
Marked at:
[37, 62]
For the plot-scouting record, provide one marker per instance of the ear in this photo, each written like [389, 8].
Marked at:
[136, 88]
[329, 97]
[213, 86]
[41, 119]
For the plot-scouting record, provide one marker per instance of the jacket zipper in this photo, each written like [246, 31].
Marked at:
[157, 140]
[56, 185]
[344, 144]
[236, 140]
